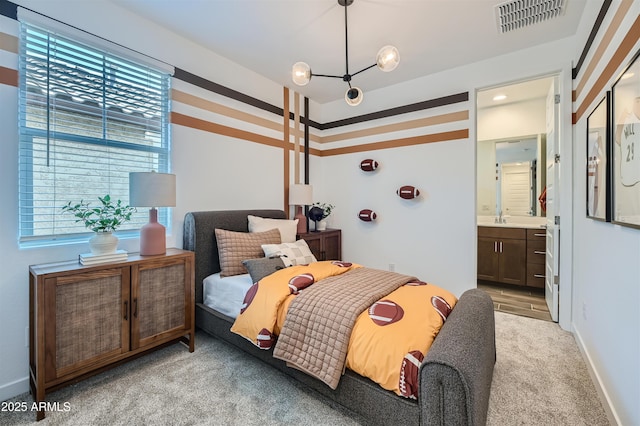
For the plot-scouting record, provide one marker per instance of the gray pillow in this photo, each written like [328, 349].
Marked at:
[261, 267]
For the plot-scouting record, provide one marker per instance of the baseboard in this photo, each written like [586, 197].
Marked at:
[595, 378]
[9, 390]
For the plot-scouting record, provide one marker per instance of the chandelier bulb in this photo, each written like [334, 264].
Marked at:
[388, 58]
[353, 96]
[301, 73]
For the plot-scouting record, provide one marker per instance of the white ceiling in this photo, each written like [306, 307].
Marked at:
[269, 36]
[516, 92]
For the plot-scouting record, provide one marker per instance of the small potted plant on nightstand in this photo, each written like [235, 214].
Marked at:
[103, 220]
[321, 225]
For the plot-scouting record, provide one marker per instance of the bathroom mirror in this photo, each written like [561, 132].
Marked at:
[511, 176]
[511, 148]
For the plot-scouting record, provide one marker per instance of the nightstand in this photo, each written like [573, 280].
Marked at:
[325, 245]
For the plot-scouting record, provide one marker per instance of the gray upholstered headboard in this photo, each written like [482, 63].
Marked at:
[199, 237]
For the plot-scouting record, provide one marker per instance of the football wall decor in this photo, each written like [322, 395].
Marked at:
[368, 165]
[367, 215]
[408, 192]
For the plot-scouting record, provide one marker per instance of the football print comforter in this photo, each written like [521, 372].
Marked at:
[392, 323]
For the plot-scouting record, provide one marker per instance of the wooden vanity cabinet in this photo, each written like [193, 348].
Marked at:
[502, 255]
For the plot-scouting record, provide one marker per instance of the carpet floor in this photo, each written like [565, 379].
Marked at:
[540, 378]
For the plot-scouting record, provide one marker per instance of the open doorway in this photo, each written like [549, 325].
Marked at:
[517, 119]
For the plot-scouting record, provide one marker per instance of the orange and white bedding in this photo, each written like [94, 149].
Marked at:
[387, 341]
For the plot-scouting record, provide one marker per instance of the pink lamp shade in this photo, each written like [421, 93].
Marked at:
[301, 195]
[152, 189]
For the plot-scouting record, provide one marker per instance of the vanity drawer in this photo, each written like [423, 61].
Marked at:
[536, 251]
[502, 232]
[535, 275]
[536, 234]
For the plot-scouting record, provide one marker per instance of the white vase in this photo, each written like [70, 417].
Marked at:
[103, 243]
[321, 225]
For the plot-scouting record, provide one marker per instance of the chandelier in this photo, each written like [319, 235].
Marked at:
[387, 60]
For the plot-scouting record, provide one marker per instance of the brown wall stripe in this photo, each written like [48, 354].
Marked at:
[195, 101]
[413, 124]
[604, 44]
[397, 143]
[592, 36]
[183, 75]
[8, 76]
[208, 126]
[8, 43]
[198, 102]
[614, 63]
[431, 103]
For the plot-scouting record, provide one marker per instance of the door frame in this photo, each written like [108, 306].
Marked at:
[565, 133]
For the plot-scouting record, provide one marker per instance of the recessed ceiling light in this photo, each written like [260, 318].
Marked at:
[499, 97]
[627, 75]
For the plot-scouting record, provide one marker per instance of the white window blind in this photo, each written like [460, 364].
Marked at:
[87, 118]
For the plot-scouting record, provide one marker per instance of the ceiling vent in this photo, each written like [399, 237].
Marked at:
[515, 14]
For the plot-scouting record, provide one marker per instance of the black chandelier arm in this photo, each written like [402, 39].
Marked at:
[326, 75]
[364, 69]
[346, 40]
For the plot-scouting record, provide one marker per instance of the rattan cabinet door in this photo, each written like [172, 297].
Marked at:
[86, 321]
[160, 304]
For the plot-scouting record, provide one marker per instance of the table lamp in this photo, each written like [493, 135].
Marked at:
[301, 195]
[152, 189]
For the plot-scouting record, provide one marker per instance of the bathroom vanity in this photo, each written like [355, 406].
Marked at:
[512, 254]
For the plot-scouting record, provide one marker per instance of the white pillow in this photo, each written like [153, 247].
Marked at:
[297, 253]
[288, 228]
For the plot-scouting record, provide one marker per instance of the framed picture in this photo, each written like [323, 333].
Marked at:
[625, 146]
[598, 193]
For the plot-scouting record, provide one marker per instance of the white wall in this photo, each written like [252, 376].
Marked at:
[441, 227]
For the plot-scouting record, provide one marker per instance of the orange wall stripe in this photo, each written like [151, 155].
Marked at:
[8, 76]
[604, 43]
[8, 43]
[397, 143]
[395, 127]
[195, 101]
[614, 63]
[207, 126]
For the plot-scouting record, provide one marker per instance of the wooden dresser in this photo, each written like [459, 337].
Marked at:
[86, 319]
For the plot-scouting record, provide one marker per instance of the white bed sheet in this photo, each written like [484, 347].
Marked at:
[226, 294]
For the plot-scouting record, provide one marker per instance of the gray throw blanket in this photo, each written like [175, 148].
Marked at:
[316, 332]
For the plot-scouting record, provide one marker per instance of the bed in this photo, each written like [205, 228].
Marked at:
[454, 377]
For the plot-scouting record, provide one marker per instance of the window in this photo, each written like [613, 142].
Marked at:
[87, 118]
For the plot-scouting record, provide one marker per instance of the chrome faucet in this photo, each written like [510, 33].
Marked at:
[500, 219]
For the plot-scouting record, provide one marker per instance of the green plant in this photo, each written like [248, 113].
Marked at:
[326, 208]
[106, 217]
